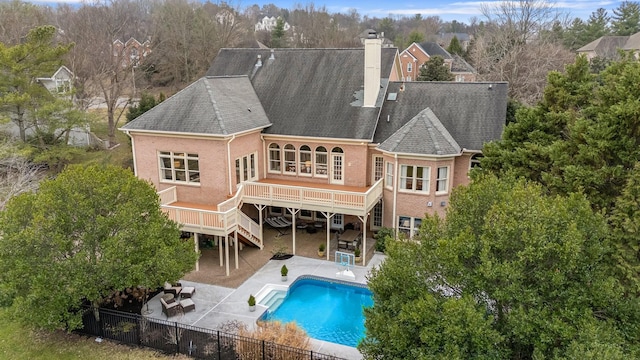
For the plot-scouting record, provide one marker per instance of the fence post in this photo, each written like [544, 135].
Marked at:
[177, 340]
[100, 323]
[263, 350]
[219, 347]
[311, 354]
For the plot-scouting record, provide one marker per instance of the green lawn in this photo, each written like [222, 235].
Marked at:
[18, 342]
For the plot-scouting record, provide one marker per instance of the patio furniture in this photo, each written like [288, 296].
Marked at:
[170, 309]
[168, 298]
[348, 240]
[172, 289]
[187, 291]
[277, 224]
[187, 305]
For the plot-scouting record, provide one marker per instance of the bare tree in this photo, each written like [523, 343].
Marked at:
[17, 174]
[17, 18]
[512, 46]
[103, 68]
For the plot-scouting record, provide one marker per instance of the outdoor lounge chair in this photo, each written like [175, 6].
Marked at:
[170, 309]
[284, 220]
[172, 289]
[274, 223]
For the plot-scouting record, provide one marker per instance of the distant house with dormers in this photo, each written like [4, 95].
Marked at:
[416, 55]
[60, 82]
[268, 23]
[607, 47]
[132, 52]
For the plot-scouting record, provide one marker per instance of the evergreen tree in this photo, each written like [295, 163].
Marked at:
[455, 47]
[278, 39]
[146, 103]
[626, 19]
[415, 37]
[435, 70]
[597, 25]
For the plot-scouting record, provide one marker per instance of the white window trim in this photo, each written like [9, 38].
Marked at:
[388, 175]
[410, 226]
[409, 67]
[374, 169]
[248, 160]
[303, 165]
[185, 157]
[288, 164]
[270, 160]
[447, 180]
[426, 183]
[373, 216]
[316, 163]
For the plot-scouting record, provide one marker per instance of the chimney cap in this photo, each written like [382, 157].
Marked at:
[372, 34]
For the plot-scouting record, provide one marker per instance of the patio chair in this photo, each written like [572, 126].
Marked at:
[284, 220]
[172, 289]
[187, 305]
[170, 309]
[274, 223]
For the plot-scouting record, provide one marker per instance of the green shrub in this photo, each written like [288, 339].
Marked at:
[382, 236]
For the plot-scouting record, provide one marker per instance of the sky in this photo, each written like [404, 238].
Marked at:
[447, 10]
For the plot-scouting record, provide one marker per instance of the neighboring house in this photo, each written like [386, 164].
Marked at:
[444, 39]
[60, 82]
[414, 57]
[607, 47]
[131, 52]
[269, 23]
[326, 136]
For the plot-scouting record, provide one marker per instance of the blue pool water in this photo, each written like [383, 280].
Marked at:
[326, 310]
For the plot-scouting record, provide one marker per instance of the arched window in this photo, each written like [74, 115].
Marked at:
[475, 161]
[289, 158]
[305, 160]
[321, 161]
[274, 158]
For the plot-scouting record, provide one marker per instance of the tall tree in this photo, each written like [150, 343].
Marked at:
[278, 39]
[455, 47]
[510, 47]
[20, 65]
[435, 70]
[18, 18]
[626, 19]
[89, 232]
[510, 274]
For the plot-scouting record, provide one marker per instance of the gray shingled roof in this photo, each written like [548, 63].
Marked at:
[309, 92]
[432, 49]
[633, 43]
[211, 105]
[472, 112]
[424, 134]
[460, 65]
[605, 46]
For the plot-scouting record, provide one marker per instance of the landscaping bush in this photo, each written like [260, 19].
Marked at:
[382, 236]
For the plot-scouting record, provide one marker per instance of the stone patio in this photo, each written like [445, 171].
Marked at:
[220, 299]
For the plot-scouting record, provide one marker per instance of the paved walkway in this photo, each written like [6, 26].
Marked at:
[217, 305]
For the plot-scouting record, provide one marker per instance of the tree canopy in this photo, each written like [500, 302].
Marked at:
[89, 232]
[511, 273]
[435, 70]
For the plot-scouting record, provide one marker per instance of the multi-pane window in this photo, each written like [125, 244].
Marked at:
[321, 161]
[409, 67]
[414, 178]
[337, 159]
[443, 179]
[376, 215]
[179, 167]
[246, 168]
[378, 167]
[409, 226]
[388, 181]
[305, 160]
[274, 158]
[289, 158]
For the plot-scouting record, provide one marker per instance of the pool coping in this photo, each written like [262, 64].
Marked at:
[217, 306]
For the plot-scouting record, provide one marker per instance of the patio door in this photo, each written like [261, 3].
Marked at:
[337, 222]
[337, 158]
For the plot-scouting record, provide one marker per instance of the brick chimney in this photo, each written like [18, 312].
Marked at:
[372, 60]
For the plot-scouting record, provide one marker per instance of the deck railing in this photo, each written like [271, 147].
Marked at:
[349, 202]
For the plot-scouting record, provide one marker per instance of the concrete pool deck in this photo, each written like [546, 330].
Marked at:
[217, 305]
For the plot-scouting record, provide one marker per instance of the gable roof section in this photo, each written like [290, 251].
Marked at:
[460, 65]
[472, 112]
[211, 105]
[633, 43]
[309, 92]
[424, 134]
[605, 46]
[433, 49]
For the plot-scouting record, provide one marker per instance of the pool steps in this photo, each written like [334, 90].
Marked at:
[270, 294]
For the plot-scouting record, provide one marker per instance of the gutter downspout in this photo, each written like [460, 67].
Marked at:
[264, 156]
[395, 193]
[229, 162]
[133, 151]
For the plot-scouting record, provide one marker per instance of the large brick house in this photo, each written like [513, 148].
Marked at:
[416, 55]
[327, 136]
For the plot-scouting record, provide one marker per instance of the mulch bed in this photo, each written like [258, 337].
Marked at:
[281, 257]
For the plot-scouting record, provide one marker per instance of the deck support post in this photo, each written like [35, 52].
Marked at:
[294, 214]
[196, 241]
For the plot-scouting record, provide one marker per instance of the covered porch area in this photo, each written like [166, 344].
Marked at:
[212, 270]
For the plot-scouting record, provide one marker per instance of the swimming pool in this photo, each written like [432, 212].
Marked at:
[326, 309]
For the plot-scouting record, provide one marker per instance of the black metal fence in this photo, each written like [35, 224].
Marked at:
[175, 338]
